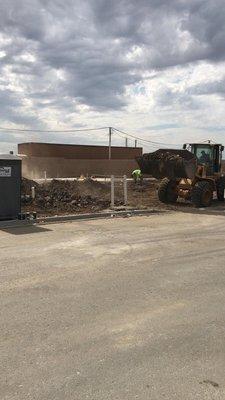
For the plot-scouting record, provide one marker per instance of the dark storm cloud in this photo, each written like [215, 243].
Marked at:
[158, 27]
[89, 52]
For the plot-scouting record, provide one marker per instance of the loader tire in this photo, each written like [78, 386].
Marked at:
[202, 194]
[167, 191]
[220, 186]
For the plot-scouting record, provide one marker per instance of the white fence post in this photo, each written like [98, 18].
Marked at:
[112, 191]
[125, 189]
[33, 192]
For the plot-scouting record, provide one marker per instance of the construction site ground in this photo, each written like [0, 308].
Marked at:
[61, 197]
[114, 309]
[58, 197]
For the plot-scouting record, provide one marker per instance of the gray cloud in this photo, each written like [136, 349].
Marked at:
[7, 138]
[61, 55]
[208, 88]
[163, 127]
[11, 108]
[167, 98]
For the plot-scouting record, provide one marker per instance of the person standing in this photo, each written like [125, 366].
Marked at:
[137, 176]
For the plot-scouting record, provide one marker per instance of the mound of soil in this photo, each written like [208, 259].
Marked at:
[59, 197]
[65, 197]
[26, 186]
[168, 163]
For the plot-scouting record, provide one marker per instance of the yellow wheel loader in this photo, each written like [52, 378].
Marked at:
[193, 173]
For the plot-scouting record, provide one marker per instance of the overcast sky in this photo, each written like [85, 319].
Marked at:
[154, 68]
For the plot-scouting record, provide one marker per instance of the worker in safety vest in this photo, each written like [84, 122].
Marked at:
[137, 176]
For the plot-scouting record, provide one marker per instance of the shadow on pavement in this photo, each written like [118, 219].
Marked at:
[25, 230]
[217, 208]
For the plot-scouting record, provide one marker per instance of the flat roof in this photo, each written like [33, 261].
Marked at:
[9, 157]
[80, 145]
[206, 144]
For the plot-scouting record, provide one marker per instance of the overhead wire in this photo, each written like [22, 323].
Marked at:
[153, 143]
[115, 130]
[150, 146]
[51, 131]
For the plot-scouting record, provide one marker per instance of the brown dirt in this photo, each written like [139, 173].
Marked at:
[171, 163]
[26, 186]
[68, 197]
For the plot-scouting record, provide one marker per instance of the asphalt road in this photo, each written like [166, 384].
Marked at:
[119, 309]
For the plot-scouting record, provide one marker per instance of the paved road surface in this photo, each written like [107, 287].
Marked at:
[116, 309]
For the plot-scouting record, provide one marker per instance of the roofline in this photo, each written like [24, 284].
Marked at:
[6, 156]
[206, 144]
[79, 145]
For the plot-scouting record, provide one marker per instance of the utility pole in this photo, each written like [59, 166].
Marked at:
[110, 142]
[126, 142]
[135, 143]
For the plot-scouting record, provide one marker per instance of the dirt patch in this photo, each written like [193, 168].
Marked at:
[59, 197]
[144, 195]
[26, 186]
[66, 197]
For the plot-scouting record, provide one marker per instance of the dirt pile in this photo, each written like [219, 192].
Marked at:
[168, 163]
[26, 186]
[59, 197]
[56, 197]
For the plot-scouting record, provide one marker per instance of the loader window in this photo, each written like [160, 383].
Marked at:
[204, 154]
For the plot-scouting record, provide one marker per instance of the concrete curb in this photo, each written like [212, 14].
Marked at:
[107, 214]
[74, 217]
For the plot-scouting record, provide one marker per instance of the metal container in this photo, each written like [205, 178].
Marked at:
[10, 183]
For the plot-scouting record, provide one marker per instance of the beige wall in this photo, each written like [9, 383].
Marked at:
[34, 167]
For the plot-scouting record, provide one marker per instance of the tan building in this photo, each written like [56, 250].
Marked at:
[67, 160]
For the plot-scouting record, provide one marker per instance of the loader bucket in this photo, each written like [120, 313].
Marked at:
[173, 164]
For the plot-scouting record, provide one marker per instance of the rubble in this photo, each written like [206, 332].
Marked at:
[26, 186]
[59, 196]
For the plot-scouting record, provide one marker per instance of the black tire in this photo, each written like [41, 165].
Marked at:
[167, 191]
[202, 194]
[220, 186]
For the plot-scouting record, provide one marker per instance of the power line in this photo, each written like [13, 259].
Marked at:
[144, 140]
[124, 136]
[51, 131]
[117, 131]
[150, 145]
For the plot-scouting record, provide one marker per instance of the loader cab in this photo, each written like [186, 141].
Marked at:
[208, 154]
